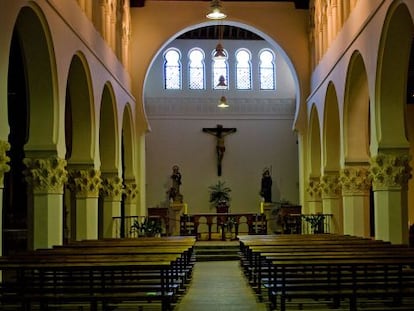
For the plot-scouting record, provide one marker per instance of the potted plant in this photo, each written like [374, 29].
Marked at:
[148, 227]
[316, 222]
[220, 196]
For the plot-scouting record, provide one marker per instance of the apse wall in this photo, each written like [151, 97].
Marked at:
[264, 136]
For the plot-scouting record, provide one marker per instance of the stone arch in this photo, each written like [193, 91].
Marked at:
[314, 142]
[39, 60]
[79, 133]
[128, 144]
[391, 79]
[356, 112]
[331, 131]
[80, 146]
[108, 132]
[31, 102]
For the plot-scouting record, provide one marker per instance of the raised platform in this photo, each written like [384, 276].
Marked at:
[217, 250]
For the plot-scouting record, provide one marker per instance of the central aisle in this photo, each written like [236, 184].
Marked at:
[219, 286]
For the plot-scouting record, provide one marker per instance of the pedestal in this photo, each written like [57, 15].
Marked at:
[267, 210]
[175, 212]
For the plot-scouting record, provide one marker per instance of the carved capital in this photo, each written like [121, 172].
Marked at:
[131, 191]
[355, 180]
[314, 189]
[390, 171]
[46, 175]
[4, 159]
[330, 186]
[85, 183]
[112, 188]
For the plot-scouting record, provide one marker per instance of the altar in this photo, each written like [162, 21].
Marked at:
[190, 223]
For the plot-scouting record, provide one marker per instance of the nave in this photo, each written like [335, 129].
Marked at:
[219, 286]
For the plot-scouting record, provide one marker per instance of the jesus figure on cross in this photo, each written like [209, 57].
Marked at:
[220, 132]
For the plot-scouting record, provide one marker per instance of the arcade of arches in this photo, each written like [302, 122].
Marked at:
[73, 124]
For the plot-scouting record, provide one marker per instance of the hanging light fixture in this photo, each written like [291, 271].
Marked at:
[216, 11]
[219, 51]
[223, 102]
[222, 83]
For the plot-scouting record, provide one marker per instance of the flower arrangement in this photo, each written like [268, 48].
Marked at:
[219, 194]
[149, 227]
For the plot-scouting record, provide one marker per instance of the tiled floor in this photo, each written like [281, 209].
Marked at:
[219, 286]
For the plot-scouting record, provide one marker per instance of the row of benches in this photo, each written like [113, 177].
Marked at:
[327, 268]
[98, 274]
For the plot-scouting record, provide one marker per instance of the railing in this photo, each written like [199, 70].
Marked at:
[222, 223]
[124, 226]
[307, 223]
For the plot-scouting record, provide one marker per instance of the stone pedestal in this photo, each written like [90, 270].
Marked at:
[175, 212]
[267, 211]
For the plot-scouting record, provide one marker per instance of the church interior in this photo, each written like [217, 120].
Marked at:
[124, 116]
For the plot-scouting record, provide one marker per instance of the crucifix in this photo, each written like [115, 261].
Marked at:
[219, 132]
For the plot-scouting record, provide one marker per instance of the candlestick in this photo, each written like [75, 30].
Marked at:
[261, 207]
[185, 208]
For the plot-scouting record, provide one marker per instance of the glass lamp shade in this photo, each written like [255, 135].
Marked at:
[216, 11]
[223, 102]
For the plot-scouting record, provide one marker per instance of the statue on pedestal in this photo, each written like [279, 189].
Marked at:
[266, 189]
[174, 194]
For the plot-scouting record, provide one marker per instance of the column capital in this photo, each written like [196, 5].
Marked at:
[112, 188]
[46, 175]
[390, 171]
[130, 191]
[314, 189]
[4, 159]
[355, 180]
[86, 182]
[330, 186]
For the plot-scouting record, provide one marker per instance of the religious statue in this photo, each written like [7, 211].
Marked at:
[220, 132]
[266, 189]
[174, 192]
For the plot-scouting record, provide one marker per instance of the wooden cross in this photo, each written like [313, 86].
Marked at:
[219, 132]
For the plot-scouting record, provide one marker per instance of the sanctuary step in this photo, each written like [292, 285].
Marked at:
[217, 250]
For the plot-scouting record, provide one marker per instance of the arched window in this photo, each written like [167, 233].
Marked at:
[220, 68]
[243, 70]
[196, 70]
[267, 70]
[172, 70]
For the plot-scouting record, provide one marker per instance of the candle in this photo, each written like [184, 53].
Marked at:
[261, 207]
[185, 208]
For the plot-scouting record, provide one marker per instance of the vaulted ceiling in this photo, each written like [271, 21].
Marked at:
[299, 4]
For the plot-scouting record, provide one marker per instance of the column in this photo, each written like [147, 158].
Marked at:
[314, 195]
[130, 201]
[4, 168]
[126, 34]
[335, 19]
[345, 10]
[86, 184]
[390, 174]
[111, 191]
[356, 184]
[330, 25]
[175, 212]
[47, 177]
[331, 201]
[131, 197]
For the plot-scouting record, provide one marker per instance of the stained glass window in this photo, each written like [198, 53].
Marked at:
[196, 70]
[267, 70]
[220, 68]
[172, 70]
[243, 70]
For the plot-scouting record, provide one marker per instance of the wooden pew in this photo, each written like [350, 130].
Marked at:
[101, 275]
[334, 267]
